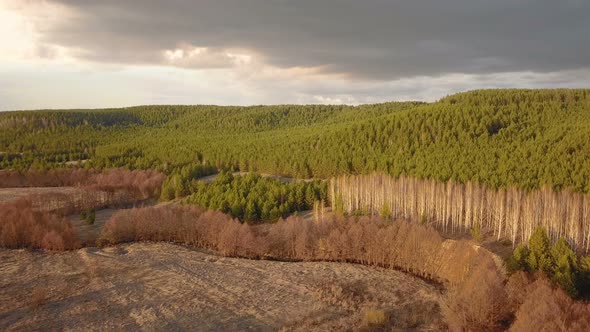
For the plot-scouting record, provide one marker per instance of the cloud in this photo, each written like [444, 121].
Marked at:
[82, 53]
[371, 40]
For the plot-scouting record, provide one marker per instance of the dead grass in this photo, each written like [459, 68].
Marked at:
[163, 287]
[376, 317]
[38, 297]
[350, 295]
[92, 269]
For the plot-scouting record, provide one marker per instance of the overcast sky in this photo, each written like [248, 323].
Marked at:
[106, 53]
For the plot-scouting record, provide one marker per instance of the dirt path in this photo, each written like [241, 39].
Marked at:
[166, 287]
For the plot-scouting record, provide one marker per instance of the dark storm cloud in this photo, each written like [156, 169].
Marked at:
[370, 39]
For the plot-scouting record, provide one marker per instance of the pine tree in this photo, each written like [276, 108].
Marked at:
[539, 257]
[565, 267]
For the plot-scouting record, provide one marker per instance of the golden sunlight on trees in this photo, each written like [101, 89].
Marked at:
[511, 213]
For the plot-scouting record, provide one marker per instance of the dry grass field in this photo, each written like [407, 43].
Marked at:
[159, 286]
[9, 194]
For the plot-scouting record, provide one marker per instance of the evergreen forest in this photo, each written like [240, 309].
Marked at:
[499, 138]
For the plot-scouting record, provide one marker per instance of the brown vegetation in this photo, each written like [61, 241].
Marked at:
[480, 302]
[511, 213]
[38, 297]
[165, 287]
[52, 178]
[368, 240]
[114, 187]
[141, 183]
[23, 227]
[479, 297]
[545, 308]
[375, 317]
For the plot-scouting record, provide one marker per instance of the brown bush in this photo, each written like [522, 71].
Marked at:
[52, 241]
[517, 288]
[550, 309]
[111, 187]
[141, 184]
[38, 297]
[403, 245]
[480, 302]
[51, 178]
[181, 224]
[23, 227]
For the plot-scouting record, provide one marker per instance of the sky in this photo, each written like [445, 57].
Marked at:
[115, 53]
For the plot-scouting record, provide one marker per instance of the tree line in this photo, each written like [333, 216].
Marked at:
[478, 297]
[85, 189]
[510, 213]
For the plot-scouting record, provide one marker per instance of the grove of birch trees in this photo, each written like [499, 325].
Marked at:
[510, 213]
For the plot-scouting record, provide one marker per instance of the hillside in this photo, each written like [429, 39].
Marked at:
[522, 138]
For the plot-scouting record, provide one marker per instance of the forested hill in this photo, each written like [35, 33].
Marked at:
[527, 138]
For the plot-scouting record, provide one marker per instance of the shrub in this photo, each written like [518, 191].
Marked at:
[583, 277]
[565, 266]
[516, 288]
[38, 297]
[347, 294]
[480, 302]
[385, 211]
[548, 309]
[407, 246]
[476, 233]
[90, 216]
[53, 241]
[23, 227]
[518, 260]
[539, 257]
[375, 317]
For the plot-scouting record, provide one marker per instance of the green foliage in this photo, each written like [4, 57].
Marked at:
[338, 205]
[558, 262]
[518, 260]
[525, 138]
[89, 216]
[565, 266]
[253, 197]
[584, 276]
[385, 211]
[183, 179]
[476, 233]
[423, 219]
[539, 258]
